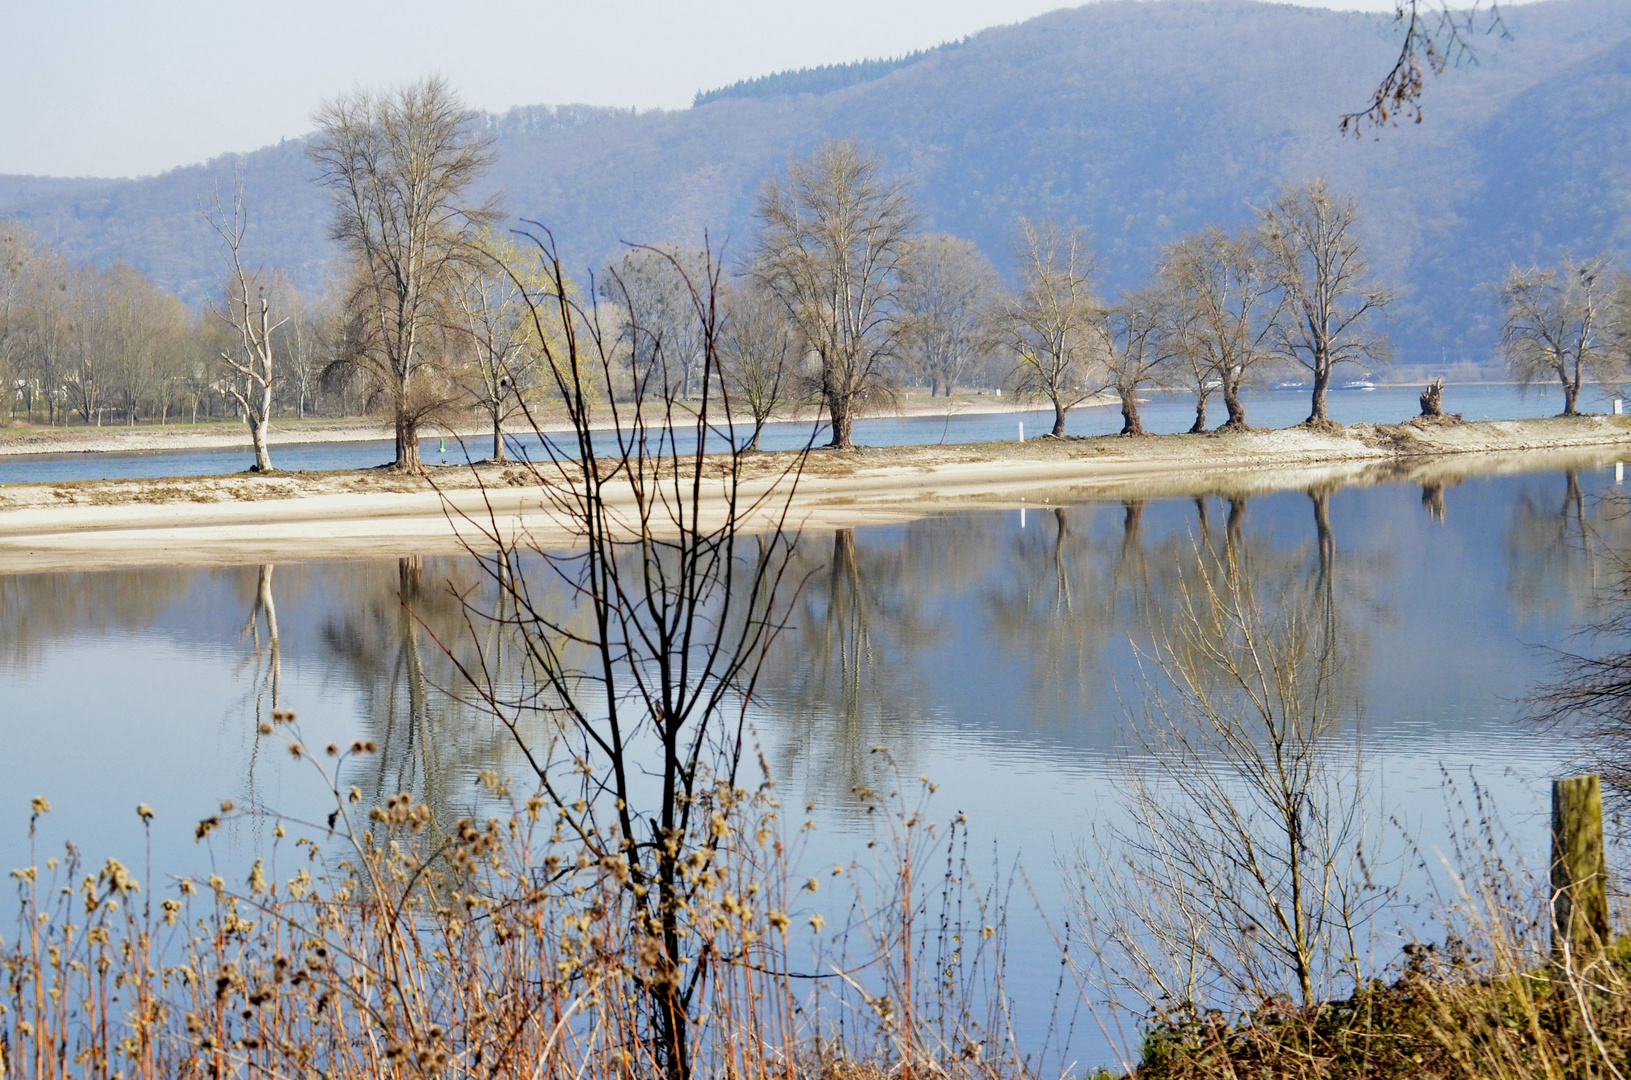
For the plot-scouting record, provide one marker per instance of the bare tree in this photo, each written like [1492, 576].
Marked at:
[16, 262]
[833, 242]
[647, 286]
[305, 346]
[247, 308]
[142, 327]
[1137, 349]
[1311, 253]
[495, 331]
[945, 285]
[1223, 316]
[646, 674]
[45, 320]
[759, 351]
[1051, 324]
[399, 167]
[1242, 874]
[1553, 327]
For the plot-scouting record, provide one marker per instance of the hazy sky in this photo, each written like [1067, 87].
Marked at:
[128, 87]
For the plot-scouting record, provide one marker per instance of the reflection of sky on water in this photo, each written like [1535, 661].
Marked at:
[1161, 415]
[998, 660]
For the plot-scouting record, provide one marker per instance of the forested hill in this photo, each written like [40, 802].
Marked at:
[817, 80]
[1140, 120]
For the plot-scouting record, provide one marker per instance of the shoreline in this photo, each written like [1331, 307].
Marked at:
[293, 517]
[32, 440]
[234, 435]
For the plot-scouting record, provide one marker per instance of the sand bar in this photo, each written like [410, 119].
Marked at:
[373, 513]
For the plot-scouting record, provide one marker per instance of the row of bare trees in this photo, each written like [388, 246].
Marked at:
[869, 303]
[1289, 295]
[85, 345]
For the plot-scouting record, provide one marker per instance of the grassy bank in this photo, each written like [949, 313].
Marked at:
[1451, 1013]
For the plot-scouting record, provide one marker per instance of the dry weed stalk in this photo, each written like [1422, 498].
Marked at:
[402, 946]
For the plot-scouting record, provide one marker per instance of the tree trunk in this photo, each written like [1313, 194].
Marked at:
[498, 439]
[1200, 416]
[407, 446]
[1237, 411]
[263, 458]
[1571, 393]
[1322, 380]
[758, 432]
[1130, 424]
[838, 410]
[1058, 419]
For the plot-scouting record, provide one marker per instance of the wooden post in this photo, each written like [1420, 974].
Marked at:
[1579, 875]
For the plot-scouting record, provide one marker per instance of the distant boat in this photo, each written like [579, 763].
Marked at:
[1289, 386]
[1356, 384]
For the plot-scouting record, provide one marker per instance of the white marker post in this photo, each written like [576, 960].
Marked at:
[1022, 431]
[1617, 409]
[1619, 472]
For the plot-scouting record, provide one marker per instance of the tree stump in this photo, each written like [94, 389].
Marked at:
[1579, 874]
[1432, 398]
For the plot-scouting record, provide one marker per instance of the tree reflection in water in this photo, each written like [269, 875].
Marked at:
[1044, 615]
[1583, 549]
[432, 741]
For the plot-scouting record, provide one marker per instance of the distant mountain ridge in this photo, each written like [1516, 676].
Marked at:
[816, 80]
[1140, 120]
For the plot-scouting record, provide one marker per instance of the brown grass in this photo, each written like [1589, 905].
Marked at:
[384, 943]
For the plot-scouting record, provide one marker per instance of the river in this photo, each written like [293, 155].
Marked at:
[998, 653]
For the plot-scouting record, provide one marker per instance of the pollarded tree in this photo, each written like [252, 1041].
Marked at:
[1052, 323]
[945, 285]
[1553, 327]
[1223, 315]
[833, 243]
[399, 167]
[1137, 348]
[1311, 253]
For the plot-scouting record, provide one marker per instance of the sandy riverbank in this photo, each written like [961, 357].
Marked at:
[225, 435]
[236, 519]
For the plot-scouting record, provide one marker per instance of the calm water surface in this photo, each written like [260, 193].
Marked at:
[1160, 415]
[996, 652]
